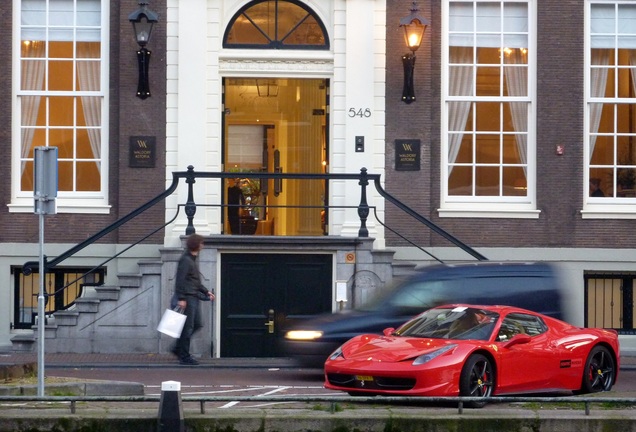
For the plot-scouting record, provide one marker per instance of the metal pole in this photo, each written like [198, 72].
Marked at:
[41, 318]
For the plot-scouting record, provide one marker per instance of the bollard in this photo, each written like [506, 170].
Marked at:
[170, 409]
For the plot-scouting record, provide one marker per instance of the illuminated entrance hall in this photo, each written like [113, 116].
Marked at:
[276, 125]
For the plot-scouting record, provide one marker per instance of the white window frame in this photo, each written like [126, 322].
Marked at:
[490, 206]
[607, 207]
[66, 202]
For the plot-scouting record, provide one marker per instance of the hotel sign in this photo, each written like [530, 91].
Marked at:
[142, 152]
[407, 155]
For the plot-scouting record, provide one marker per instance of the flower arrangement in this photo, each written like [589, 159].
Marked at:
[251, 188]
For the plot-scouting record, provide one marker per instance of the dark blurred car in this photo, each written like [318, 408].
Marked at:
[532, 286]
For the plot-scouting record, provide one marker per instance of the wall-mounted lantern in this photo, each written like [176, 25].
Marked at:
[414, 26]
[143, 19]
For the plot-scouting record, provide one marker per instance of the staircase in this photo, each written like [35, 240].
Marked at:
[124, 316]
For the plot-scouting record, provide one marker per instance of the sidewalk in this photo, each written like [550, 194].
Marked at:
[74, 360]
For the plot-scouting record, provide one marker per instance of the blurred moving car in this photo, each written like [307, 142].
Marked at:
[476, 351]
[533, 286]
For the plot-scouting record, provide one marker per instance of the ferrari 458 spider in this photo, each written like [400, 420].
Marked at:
[477, 351]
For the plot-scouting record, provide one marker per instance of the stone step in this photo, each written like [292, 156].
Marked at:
[23, 342]
[66, 317]
[107, 292]
[87, 304]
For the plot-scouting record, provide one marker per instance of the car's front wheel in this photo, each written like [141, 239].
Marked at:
[477, 379]
[599, 372]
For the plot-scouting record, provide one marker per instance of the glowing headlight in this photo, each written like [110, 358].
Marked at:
[337, 353]
[306, 335]
[425, 358]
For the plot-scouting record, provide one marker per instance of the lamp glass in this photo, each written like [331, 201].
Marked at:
[143, 30]
[413, 33]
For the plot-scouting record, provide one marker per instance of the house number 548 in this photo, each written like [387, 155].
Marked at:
[360, 112]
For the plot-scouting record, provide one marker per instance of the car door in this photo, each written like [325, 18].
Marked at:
[528, 366]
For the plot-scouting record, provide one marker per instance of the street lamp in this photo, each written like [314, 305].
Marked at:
[143, 19]
[414, 26]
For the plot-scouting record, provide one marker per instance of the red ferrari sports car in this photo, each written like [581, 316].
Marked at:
[477, 351]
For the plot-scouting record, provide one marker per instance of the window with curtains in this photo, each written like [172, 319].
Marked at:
[611, 102]
[488, 143]
[61, 95]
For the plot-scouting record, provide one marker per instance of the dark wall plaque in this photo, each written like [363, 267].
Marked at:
[142, 152]
[407, 155]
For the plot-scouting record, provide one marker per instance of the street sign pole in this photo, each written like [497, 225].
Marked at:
[41, 316]
[44, 194]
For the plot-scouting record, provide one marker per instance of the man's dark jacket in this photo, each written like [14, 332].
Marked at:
[188, 281]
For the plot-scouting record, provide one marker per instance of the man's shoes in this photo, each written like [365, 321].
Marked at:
[189, 361]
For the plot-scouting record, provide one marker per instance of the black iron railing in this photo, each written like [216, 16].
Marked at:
[190, 176]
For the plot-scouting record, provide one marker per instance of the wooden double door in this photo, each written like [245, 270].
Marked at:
[261, 293]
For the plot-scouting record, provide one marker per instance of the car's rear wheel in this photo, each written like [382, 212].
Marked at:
[477, 379]
[599, 372]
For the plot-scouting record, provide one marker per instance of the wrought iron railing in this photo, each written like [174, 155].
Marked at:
[190, 176]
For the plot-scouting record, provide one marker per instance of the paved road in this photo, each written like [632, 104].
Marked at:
[247, 381]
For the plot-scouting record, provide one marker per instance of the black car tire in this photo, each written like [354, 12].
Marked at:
[599, 372]
[477, 379]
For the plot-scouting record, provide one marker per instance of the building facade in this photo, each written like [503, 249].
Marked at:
[523, 111]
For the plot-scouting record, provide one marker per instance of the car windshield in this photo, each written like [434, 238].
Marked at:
[451, 323]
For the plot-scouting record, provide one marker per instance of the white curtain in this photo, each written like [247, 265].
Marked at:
[517, 85]
[598, 82]
[88, 74]
[460, 84]
[32, 78]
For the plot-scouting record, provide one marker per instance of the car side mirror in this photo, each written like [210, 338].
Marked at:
[388, 331]
[517, 340]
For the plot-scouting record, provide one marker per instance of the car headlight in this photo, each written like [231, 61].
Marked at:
[306, 335]
[337, 353]
[425, 358]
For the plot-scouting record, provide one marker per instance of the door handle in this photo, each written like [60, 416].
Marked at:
[270, 326]
[270, 321]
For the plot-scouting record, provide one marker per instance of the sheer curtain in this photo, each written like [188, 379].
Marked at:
[460, 84]
[517, 85]
[598, 82]
[32, 78]
[88, 74]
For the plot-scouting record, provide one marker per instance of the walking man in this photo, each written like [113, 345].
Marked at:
[190, 291]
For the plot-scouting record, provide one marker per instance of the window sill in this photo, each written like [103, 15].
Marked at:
[64, 208]
[490, 214]
[609, 212]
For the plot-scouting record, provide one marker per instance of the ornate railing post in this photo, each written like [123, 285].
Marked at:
[190, 207]
[363, 208]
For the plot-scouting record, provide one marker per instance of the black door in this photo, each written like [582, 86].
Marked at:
[260, 292]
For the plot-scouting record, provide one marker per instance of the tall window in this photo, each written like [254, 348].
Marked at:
[611, 102]
[61, 95]
[488, 149]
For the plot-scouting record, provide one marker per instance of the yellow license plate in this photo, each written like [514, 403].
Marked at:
[364, 378]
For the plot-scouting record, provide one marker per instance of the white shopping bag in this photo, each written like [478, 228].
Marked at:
[172, 323]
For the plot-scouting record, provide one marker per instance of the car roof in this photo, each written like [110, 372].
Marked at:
[484, 268]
